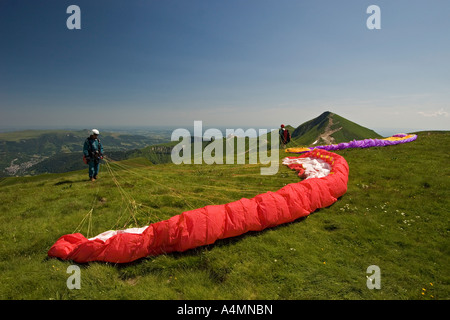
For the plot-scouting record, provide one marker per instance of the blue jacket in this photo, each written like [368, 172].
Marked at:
[91, 146]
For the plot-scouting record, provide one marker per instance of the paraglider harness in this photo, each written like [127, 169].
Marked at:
[93, 154]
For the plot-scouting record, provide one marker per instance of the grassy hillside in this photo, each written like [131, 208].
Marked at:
[394, 215]
[350, 130]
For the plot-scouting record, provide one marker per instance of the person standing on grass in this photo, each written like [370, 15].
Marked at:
[93, 151]
[285, 136]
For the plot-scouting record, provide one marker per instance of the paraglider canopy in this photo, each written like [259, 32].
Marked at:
[327, 176]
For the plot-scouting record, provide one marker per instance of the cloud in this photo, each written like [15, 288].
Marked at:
[439, 113]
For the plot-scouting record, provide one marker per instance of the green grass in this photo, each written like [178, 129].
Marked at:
[394, 215]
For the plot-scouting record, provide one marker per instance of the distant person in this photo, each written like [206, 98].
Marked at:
[285, 136]
[93, 152]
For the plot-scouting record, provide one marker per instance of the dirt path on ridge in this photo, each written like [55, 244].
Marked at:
[326, 135]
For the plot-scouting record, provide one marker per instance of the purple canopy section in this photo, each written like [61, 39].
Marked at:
[367, 143]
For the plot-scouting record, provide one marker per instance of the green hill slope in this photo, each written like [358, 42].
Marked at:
[394, 215]
[330, 128]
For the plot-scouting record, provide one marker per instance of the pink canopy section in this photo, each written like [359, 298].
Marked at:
[206, 225]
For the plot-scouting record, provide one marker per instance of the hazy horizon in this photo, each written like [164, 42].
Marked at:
[385, 132]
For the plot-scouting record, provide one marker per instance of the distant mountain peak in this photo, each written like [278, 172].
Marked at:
[329, 128]
[326, 114]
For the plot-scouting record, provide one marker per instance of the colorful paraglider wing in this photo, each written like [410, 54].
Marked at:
[366, 143]
[206, 225]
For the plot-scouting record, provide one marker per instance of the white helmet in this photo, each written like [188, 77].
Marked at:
[95, 131]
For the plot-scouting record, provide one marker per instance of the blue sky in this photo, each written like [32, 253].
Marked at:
[229, 63]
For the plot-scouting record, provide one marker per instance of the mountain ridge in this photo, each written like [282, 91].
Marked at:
[329, 128]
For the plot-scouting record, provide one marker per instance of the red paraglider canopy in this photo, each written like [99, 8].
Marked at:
[206, 225]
